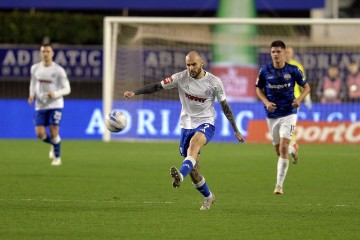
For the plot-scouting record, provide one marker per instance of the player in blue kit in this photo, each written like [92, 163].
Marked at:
[275, 88]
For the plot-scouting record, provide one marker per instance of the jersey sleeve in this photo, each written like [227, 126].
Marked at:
[299, 77]
[170, 82]
[65, 84]
[260, 81]
[32, 82]
[219, 91]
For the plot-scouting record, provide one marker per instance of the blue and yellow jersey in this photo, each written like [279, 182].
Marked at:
[297, 90]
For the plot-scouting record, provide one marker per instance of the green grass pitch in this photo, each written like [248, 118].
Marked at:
[122, 190]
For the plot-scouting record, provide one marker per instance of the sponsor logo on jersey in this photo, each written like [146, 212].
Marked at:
[45, 81]
[168, 80]
[193, 98]
[279, 86]
[287, 76]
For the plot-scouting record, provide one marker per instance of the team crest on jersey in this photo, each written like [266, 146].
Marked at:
[208, 92]
[168, 80]
[287, 76]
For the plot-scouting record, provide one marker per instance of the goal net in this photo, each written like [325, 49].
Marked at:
[139, 51]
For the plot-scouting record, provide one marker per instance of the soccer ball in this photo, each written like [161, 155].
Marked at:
[115, 121]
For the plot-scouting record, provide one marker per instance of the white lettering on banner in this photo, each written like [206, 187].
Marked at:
[353, 117]
[165, 122]
[225, 131]
[96, 124]
[177, 131]
[337, 134]
[240, 119]
[146, 119]
[151, 60]
[316, 116]
[94, 59]
[74, 58]
[335, 116]
[322, 61]
[158, 123]
[165, 59]
[10, 59]
[77, 63]
[23, 57]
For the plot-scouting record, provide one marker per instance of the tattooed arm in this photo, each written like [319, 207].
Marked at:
[150, 88]
[230, 116]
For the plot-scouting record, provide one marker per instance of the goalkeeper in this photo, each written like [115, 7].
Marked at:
[294, 147]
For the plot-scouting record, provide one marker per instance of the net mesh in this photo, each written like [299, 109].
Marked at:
[148, 53]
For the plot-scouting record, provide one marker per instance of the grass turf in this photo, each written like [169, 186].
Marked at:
[122, 190]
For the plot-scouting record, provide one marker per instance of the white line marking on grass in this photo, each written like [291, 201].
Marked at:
[166, 202]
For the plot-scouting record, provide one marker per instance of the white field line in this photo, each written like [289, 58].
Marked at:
[165, 202]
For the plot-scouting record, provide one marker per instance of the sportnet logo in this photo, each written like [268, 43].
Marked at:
[310, 132]
[279, 86]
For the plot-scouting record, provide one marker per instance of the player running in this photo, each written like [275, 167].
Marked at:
[48, 85]
[197, 91]
[275, 88]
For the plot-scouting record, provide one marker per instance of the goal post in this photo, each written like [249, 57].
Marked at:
[142, 50]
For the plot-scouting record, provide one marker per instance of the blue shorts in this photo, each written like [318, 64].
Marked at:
[186, 134]
[48, 117]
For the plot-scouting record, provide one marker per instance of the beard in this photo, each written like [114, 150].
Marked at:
[195, 74]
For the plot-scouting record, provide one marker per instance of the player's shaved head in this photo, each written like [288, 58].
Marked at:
[193, 54]
[194, 64]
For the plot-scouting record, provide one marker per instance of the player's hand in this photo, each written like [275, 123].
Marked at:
[271, 107]
[128, 94]
[51, 95]
[31, 100]
[239, 137]
[296, 103]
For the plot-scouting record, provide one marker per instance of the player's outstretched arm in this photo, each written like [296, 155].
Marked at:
[230, 116]
[147, 89]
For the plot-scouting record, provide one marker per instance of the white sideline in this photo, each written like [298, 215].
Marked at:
[167, 202]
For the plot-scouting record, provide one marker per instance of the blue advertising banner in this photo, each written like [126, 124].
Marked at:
[79, 62]
[157, 120]
[210, 5]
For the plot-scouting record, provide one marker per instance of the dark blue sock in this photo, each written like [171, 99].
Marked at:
[186, 167]
[57, 149]
[47, 139]
[203, 188]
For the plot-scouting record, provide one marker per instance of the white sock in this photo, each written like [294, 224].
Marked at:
[291, 147]
[282, 167]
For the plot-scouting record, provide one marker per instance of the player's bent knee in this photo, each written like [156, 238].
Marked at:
[56, 140]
